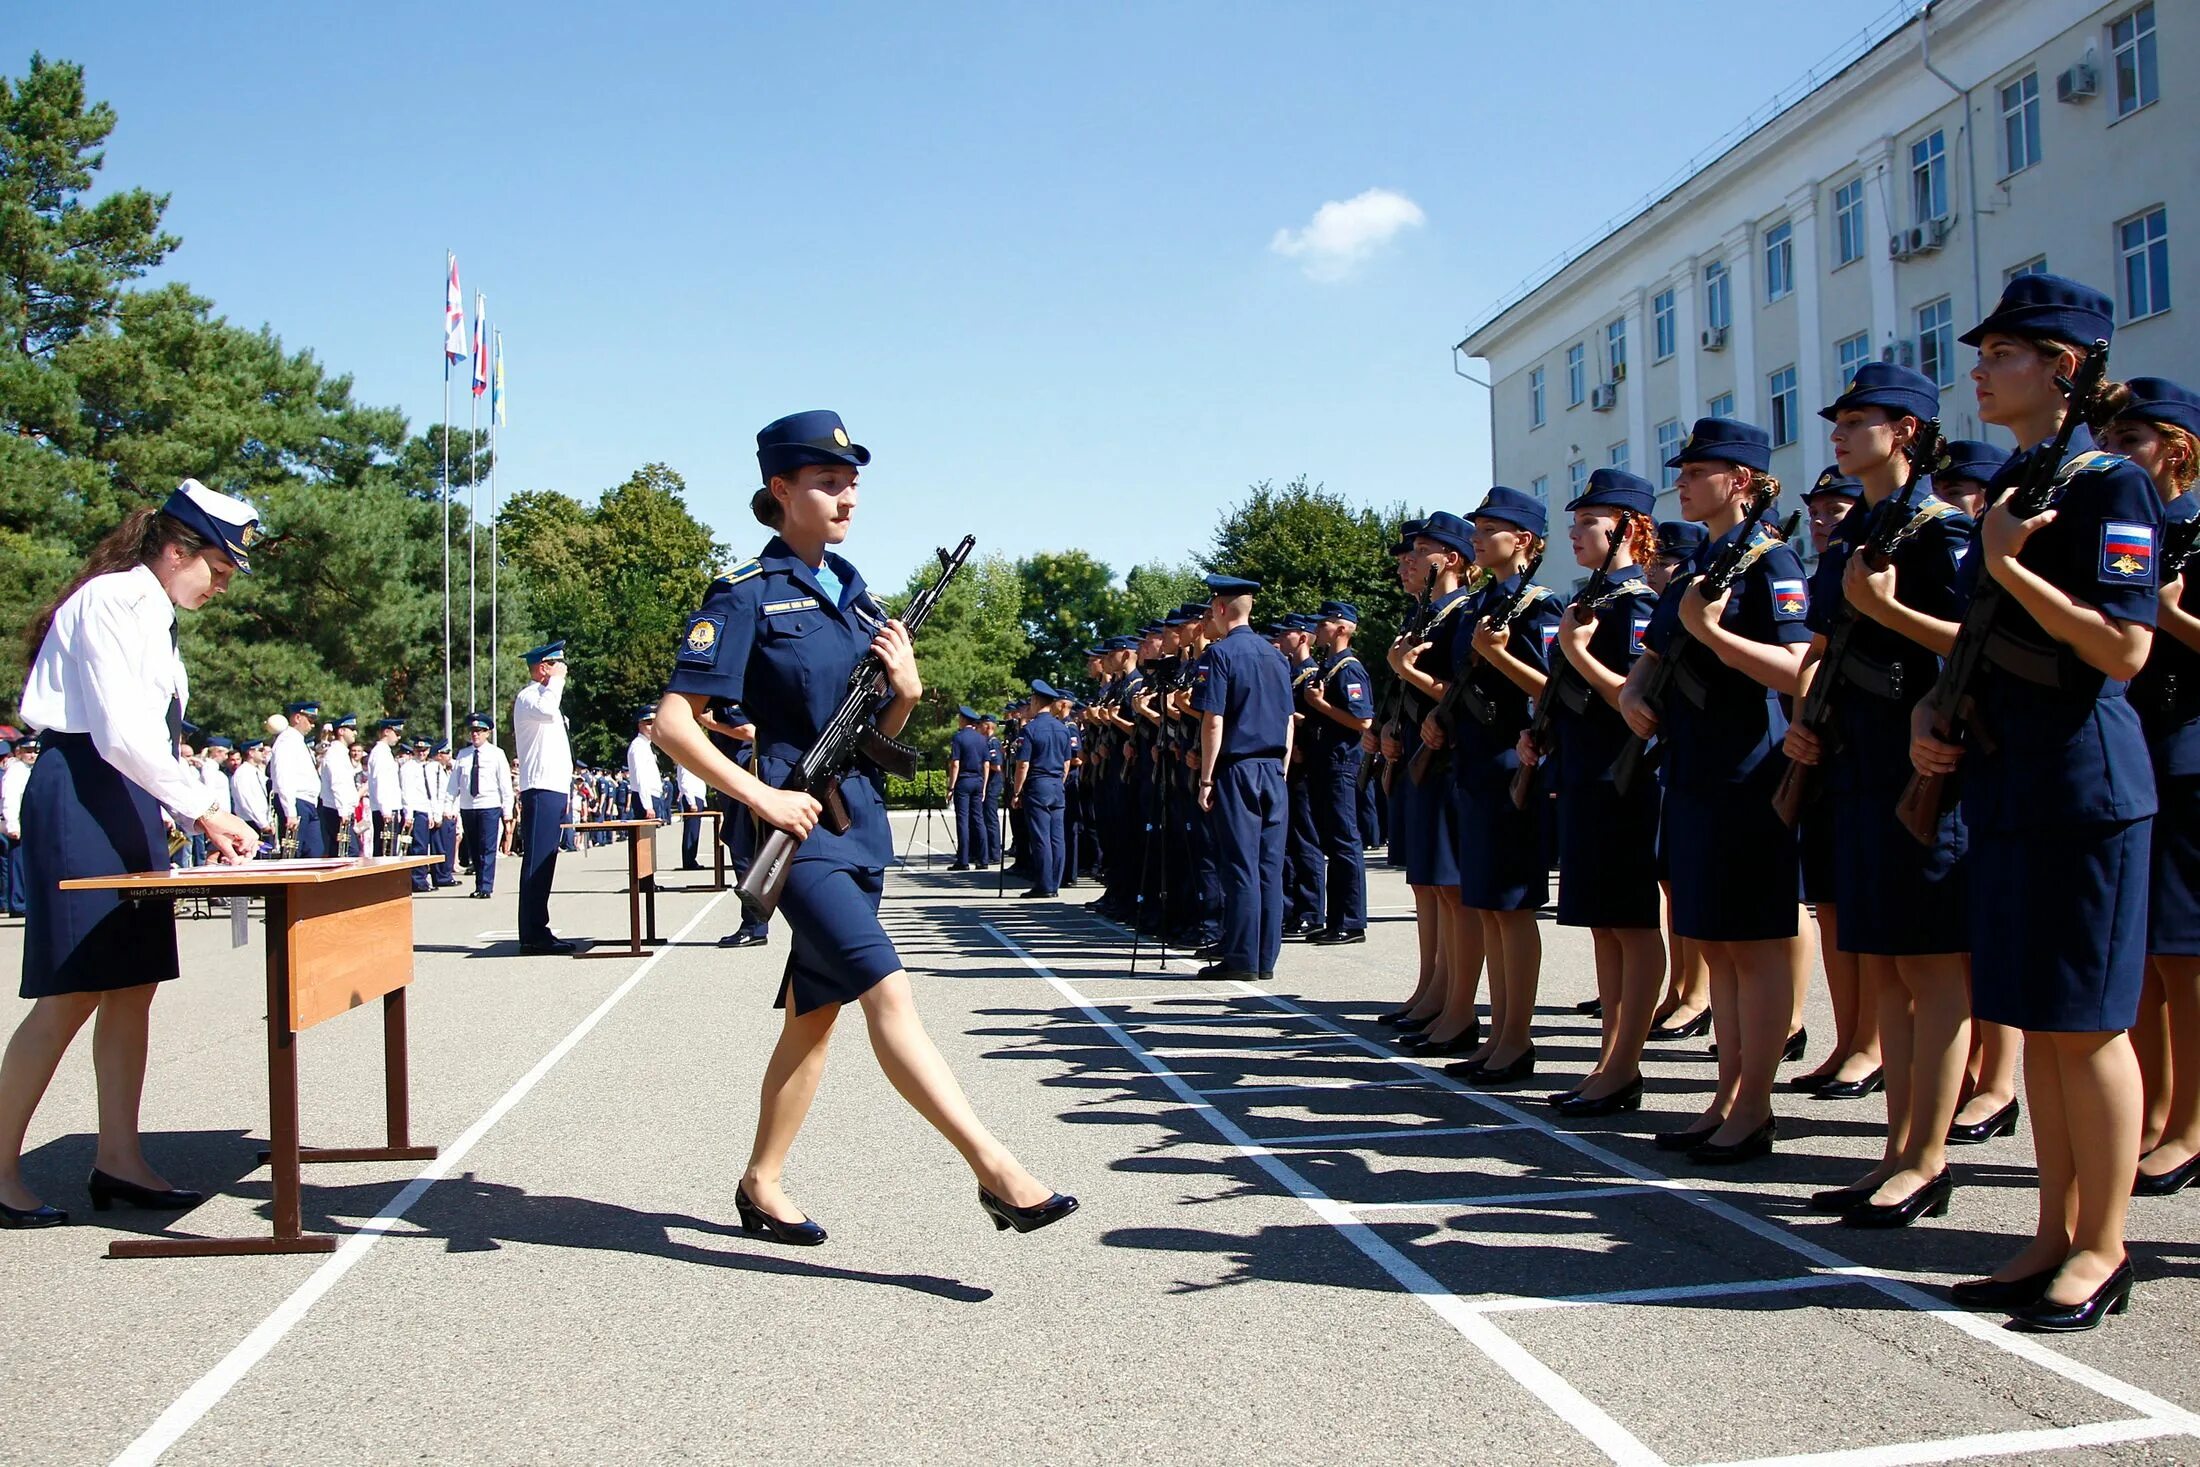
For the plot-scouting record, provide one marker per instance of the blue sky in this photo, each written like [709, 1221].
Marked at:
[1060, 268]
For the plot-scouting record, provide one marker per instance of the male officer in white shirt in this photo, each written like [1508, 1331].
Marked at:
[15, 777]
[694, 796]
[481, 783]
[297, 786]
[384, 798]
[545, 786]
[339, 786]
[645, 782]
[249, 785]
[416, 808]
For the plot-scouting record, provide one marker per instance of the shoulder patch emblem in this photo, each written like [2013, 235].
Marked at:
[699, 646]
[1790, 600]
[2127, 550]
[1639, 631]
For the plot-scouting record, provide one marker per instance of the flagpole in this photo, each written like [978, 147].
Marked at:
[446, 534]
[473, 527]
[496, 410]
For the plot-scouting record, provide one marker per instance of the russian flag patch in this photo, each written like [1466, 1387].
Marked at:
[1790, 600]
[2127, 551]
[1638, 640]
[1550, 635]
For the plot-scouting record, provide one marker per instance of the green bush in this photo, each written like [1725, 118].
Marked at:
[929, 785]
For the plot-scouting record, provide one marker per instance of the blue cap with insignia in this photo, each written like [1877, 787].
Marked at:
[645, 713]
[383, 723]
[218, 742]
[986, 718]
[2047, 306]
[1678, 538]
[547, 652]
[1232, 586]
[2159, 400]
[480, 721]
[222, 520]
[442, 746]
[1046, 689]
[1725, 440]
[1446, 529]
[308, 707]
[250, 744]
[1523, 511]
[1337, 611]
[1888, 385]
[1407, 529]
[1832, 481]
[786, 444]
[966, 711]
[349, 720]
[1617, 489]
[1969, 458]
[190, 729]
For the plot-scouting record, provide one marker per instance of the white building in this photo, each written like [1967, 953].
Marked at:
[1878, 215]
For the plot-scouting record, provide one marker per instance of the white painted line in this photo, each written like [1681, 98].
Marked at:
[1616, 1442]
[1390, 1133]
[1517, 1199]
[1317, 1085]
[1292, 1047]
[1967, 1448]
[191, 1407]
[1678, 1291]
[1119, 1003]
[1169, 1020]
[1985, 1329]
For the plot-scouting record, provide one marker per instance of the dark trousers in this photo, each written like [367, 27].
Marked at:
[424, 844]
[691, 843]
[1302, 858]
[1251, 813]
[332, 830]
[385, 832]
[11, 879]
[1044, 830]
[989, 824]
[446, 846]
[1073, 831]
[970, 823]
[1336, 798]
[541, 813]
[738, 831]
[482, 827]
[305, 823]
[1371, 807]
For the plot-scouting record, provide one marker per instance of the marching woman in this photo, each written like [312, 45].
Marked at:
[1732, 859]
[1685, 1011]
[1503, 879]
[2059, 798]
[107, 686]
[781, 635]
[1904, 906]
[1607, 842]
[2156, 424]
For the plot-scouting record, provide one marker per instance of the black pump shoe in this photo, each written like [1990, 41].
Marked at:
[1512, 1072]
[1757, 1143]
[2047, 1317]
[107, 1191]
[1581, 1107]
[2175, 1180]
[754, 1219]
[41, 1216]
[1855, 1089]
[2002, 1122]
[1687, 1140]
[1466, 1041]
[1695, 1028]
[2003, 1294]
[1026, 1219]
[1930, 1200]
[1837, 1200]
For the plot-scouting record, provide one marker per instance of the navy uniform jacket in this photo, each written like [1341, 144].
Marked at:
[2167, 690]
[769, 638]
[1741, 722]
[1248, 682]
[1485, 753]
[1046, 749]
[2073, 752]
[1887, 672]
[1590, 730]
[1345, 683]
[968, 749]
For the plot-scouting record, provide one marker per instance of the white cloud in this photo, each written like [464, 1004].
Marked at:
[1342, 235]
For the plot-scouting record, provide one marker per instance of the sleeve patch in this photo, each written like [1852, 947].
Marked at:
[1790, 600]
[1639, 633]
[2127, 551]
[699, 644]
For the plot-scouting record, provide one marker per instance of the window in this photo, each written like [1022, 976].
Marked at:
[1619, 456]
[2144, 242]
[1781, 387]
[2037, 265]
[1669, 443]
[1540, 487]
[1535, 397]
[2132, 39]
[1853, 353]
[1615, 349]
[1929, 178]
[1718, 302]
[1848, 221]
[1577, 478]
[2020, 123]
[1577, 375]
[1721, 406]
[1936, 342]
[1779, 260]
[1663, 325]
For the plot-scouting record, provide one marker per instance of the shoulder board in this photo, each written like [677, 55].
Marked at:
[1535, 593]
[2092, 461]
[1933, 507]
[1446, 609]
[737, 575]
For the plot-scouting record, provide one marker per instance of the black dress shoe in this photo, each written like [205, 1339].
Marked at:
[1208, 952]
[755, 1220]
[1757, 1143]
[1331, 937]
[744, 939]
[1687, 1140]
[1227, 973]
[1412, 1025]
[1583, 1107]
[958, 866]
[557, 947]
[1837, 1200]
[2045, 1316]
[1026, 1219]
[2002, 1122]
[107, 1191]
[1558, 1098]
[1512, 1072]
[1467, 1039]
[1394, 1019]
[1593, 1007]
[2003, 1294]
[1808, 1084]
[1855, 1089]
[41, 1216]
[1035, 892]
[2175, 1180]
[1930, 1200]
[1695, 1028]
[1468, 1070]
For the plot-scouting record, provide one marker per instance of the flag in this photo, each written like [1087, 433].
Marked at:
[481, 344]
[454, 317]
[496, 384]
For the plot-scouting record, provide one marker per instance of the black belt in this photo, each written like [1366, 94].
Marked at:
[2052, 666]
[1878, 679]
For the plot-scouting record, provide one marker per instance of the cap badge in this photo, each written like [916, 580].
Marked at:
[840, 436]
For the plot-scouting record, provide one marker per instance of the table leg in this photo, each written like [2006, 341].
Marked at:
[633, 948]
[718, 853]
[396, 1098]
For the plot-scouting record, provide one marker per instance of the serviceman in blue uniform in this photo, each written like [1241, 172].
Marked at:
[996, 770]
[1305, 906]
[545, 780]
[733, 734]
[1042, 759]
[1242, 693]
[1967, 466]
[1341, 702]
[967, 768]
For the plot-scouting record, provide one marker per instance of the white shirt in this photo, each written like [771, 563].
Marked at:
[642, 775]
[250, 786]
[290, 769]
[13, 778]
[538, 731]
[339, 780]
[383, 794]
[412, 790]
[693, 792]
[109, 668]
[496, 779]
[217, 786]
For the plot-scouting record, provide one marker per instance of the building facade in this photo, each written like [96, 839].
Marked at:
[1876, 218]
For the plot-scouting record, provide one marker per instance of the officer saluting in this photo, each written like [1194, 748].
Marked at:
[1241, 690]
[545, 787]
[1342, 701]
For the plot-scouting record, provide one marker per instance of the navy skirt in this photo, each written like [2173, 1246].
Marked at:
[82, 818]
[2173, 905]
[1501, 866]
[2058, 935]
[1814, 846]
[1896, 897]
[1734, 864]
[840, 952]
[1607, 856]
[1426, 833]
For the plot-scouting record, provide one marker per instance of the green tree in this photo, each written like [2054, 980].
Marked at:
[1306, 545]
[1152, 590]
[968, 651]
[1067, 600]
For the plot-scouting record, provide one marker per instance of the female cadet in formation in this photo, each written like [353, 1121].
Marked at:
[2155, 423]
[1440, 552]
[1732, 859]
[1607, 857]
[1905, 906]
[1503, 880]
[781, 635]
[108, 687]
[2058, 797]
[1685, 1011]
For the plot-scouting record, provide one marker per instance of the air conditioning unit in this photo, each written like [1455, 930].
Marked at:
[1898, 245]
[1603, 397]
[2078, 83]
[1713, 338]
[1938, 230]
[1901, 353]
[1619, 371]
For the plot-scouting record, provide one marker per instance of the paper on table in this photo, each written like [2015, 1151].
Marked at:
[249, 869]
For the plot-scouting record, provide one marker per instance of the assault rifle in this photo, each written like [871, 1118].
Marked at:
[1561, 672]
[1658, 686]
[1893, 523]
[1463, 695]
[1951, 701]
[1393, 706]
[850, 733]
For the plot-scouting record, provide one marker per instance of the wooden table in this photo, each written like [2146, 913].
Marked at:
[717, 846]
[641, 885]
[339, 933]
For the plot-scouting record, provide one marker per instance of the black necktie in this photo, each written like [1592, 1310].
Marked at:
[473, 780]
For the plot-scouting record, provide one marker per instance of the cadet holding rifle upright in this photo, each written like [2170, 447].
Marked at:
[2058, 792]
[786, 636]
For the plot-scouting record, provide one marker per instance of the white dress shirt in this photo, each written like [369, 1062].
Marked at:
[109, 668]
[249, 784]
[642, 774]
[538, 730]
[412, 789]
[383, 794]
[694, 794]
[13, 779]
[290, 769]
[339, 780]
[217, 786]
[496, 779]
